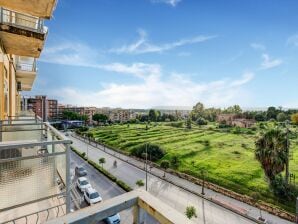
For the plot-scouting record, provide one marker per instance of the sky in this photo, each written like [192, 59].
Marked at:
[148, 53]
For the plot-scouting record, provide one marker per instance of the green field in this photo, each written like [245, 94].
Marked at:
[228, 158]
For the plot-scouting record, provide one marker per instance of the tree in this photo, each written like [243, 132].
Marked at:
[152, 115]
[201, 121]
[140, 183]
[191, 212]
[155, 152]
[260, 116]
[197, 111]
[165, 164]
[101, 161]
[281, 117]
[100, 118]
[188, 123]
[271, 152]
[294, 118]
[236, 109]
[272, 113]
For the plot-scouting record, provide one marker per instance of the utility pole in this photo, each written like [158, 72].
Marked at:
[203, 185]
[146, 169]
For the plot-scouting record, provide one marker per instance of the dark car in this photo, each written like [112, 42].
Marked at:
[80, 171]
[114, 219]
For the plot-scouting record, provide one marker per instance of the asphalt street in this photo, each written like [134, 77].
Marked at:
[105, 187]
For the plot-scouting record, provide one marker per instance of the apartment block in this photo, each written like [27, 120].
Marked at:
[47, 109]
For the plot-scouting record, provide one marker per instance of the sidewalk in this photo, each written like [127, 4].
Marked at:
[233, 205]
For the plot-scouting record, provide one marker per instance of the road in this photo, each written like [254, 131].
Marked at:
[106, 188]
[178, 198]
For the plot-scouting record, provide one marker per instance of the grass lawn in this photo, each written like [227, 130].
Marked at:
[227, 157]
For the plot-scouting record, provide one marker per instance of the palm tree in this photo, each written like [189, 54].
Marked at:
[271, 152]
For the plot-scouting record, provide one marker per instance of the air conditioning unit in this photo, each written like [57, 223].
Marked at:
[19, 86]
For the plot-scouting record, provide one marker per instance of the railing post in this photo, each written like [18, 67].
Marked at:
[138, 215]
[68, 181]
[54, 162]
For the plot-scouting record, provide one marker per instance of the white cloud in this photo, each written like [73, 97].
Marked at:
[258, 46]
[70, 53]
[142, 45]
[269, 63]
[172, 3]
[156, 89]
[293, 40]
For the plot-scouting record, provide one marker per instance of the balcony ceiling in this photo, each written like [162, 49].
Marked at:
[38, 8]
[21, 42]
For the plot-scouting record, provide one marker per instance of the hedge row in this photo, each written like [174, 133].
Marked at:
[120, 183]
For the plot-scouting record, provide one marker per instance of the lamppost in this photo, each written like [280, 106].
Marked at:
[203, 172]
[287, 151]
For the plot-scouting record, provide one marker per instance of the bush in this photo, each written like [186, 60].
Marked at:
[237, 130]
[155, 152]
[123, 185]
[223, 126]
[283, 190]
[178, 124]
[140, 183]
[175, 161]
[201, 121]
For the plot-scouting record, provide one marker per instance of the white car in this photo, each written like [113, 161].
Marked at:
[113, 219]
[83, 184]
[92, 196]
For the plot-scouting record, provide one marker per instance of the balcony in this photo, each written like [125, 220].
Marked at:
[142, 203]
[34, 161]
[25, 72]
[42, 9]
[22, 34]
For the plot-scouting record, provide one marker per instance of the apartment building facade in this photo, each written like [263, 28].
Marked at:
[22, 38]
[47, 109]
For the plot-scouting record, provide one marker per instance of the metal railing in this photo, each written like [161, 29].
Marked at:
[31, 150]
[142, 202]
[25, 66]
[21, 20]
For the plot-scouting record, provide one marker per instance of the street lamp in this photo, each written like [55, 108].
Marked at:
[203, 172]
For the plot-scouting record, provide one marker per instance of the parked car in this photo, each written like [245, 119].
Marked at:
[113, 219]
[83, 184]
[92, 196]
[80, 171]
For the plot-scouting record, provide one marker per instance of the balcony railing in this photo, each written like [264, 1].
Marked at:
[33, 156]
[23, 21]
[142, 202]
[26, 66]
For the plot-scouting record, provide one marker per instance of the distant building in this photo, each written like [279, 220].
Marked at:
[47, 109]
[88, 111]
[120, 115]
[235, 120]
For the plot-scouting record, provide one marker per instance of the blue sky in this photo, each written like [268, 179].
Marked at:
[146, 53]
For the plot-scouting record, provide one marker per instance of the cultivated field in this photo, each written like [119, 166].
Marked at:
[228, 157]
